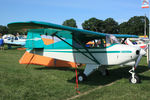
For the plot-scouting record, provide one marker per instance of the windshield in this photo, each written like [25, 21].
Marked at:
[111, 39]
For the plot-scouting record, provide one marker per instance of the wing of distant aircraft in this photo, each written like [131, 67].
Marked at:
[72, 46]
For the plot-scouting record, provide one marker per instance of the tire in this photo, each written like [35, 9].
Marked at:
[81, 77]
[134, 80]
[105, 72]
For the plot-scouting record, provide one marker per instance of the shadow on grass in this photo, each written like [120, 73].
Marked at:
[58, 68]
[114, 74]
[97, 79]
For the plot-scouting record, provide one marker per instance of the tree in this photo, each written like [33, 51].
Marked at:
[93, 24]
[135, 25]
[3, 29]
[107, 26]
[111, 26]
[123, 28]
[70, 22]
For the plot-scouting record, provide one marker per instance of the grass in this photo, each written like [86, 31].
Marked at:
[38, 82]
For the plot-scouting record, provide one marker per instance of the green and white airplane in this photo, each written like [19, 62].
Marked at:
[105, 51]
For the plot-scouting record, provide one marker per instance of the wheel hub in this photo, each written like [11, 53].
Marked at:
[133, 80]
[80, 78]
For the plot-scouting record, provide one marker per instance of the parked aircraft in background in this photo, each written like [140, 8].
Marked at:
[18, 40]
[141, 42]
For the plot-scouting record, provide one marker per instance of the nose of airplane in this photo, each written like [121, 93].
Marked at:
[142, 52]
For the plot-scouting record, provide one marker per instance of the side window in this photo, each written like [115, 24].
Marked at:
[97, 43]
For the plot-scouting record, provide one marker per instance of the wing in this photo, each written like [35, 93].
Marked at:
[80, 34]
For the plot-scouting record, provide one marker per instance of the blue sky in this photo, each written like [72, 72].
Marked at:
[57, 11]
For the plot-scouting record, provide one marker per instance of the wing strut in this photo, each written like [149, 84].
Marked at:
[123, 42]
[76, 48]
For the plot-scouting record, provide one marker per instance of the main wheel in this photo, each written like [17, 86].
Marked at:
[105, 72]
[134, 79]
[82, 77]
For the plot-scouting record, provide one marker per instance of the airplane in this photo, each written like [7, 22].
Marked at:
[106, 51]
[12, 40]
[142, 43]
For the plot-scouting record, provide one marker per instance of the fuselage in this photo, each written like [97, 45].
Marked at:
[112, 55]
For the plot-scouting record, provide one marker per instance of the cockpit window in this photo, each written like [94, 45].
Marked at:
[111, 39]
[102, 42]
[96, 43]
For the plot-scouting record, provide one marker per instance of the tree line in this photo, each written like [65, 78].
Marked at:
[135, 25]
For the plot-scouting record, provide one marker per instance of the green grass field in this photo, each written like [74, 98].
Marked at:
[41, 83]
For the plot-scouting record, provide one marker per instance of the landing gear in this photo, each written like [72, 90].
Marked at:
[82, 77]
[105, 72]
[90, 68]
[133, 78]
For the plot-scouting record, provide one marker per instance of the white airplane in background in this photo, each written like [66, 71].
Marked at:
[14, 40]
[106, 51]
[142, 43]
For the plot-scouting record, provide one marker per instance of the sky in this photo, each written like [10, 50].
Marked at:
[57, 11]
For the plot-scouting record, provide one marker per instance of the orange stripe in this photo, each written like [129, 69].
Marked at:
[47, 41]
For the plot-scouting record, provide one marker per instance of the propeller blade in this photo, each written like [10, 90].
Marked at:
[142, 52]
[146, 48]
[138, 60]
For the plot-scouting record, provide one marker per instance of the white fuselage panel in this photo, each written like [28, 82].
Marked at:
[114, 55]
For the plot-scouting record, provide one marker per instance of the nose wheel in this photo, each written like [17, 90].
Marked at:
[133, 78]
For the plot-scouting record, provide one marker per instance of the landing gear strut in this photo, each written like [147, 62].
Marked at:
[133, 78]
[90, 68]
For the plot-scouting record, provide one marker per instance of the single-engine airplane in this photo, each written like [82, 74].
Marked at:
[106, 50]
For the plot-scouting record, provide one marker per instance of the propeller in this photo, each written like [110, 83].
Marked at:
[141, 53]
